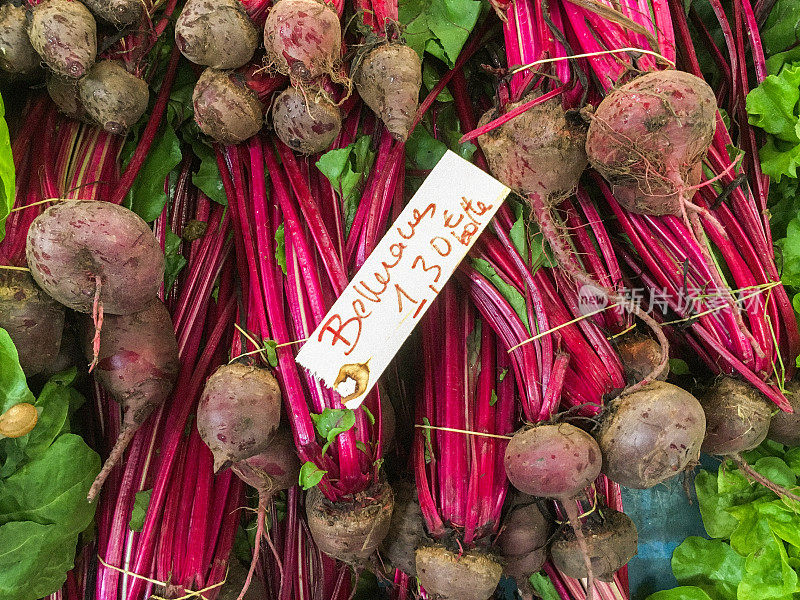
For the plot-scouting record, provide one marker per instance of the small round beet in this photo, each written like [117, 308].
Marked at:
[406, 530]
[610, 543]
[784, 427]
[737, 417]
[350, 531]
[73, 245]
[303, 38]
[63, 91]
[649, 138]
[307, 123]
[117, 12]
[113, 97]
[651, 434]
[640, 354]
[216, 33]
[539, 151]
[17, 55]
[224, 109]
[552, 461]
[523, 541]
[33, 319]
[388, 79]
[64, 33]
[471, 575]
[238, 412]
[276, 468]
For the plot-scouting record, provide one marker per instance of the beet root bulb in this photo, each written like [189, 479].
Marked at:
[552, 461]
[737, 417]
[33, 319]
[784, 427]
[82, 251]
[523, 541]
[640, 354]
[539, 151]
[350, 531]
[449, 576]
[239, 410]
[610, 545]
[406, 530]
[651, 435]
[649, 138]
[225, 109]
[303, 38]
[17, 55]
[64, 34]
[306, 123]
[276, 468]
[112, 97]
[388, 79]
[216, 33]
[117, 12]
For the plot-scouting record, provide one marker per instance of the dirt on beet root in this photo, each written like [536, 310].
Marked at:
[216, 33]
[64, 34]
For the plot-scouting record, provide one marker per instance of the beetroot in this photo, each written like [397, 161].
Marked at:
[117, 12]
[611, 541]
[649, 138]
[307, 123]
[17, 55]
[216, 33]
[112, 97]
[470, 575]
[137, 363]
[87, 253]
[539, 151]
[350, 531]
[64, 33]
[238, 412]
[785, 426]
[225, 109]
[651, 434]
[32, 318]
[552, 461]
[388, 79]
[737, 417]
[640, 354]
[303, 38]
[276, 468]
[523, 541]
[406, 530]
[63, 91]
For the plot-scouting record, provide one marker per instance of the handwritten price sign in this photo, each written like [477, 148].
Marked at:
[394, 288]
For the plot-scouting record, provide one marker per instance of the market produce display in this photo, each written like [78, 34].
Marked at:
[187, 188]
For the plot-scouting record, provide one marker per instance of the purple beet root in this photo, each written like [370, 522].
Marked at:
[32, 318]
[651, 435]
[112, 97]
[17, 55]
[737, 417]
[640, 354]
[63, 91]
[117, 12]
[307, 123]
[471, 575]
[523, 541]
[238, 412]
[785, 426]
[64, 34]
[84, 253]
[406, 530]
[216, 33]
[611, 542]
[137, 363]
[225, 109]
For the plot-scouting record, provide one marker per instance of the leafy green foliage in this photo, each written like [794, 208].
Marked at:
[174, 260]
[543, 586]
[331, 422]
[781, 31]
[207, 177]
[7, 172]
[44, 478]
[280, 247]
[755, 545]
[139, 511]
[147, 196]
[438, 27]
[310, 475]
[346, 169]
[509, 292]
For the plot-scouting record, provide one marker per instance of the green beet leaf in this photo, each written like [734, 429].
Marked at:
[711, 565]
[147, 196]
[310, 475]
[685, 592]
[13, 386]
[207, 177]
[772, 106]
[7, 172]
[543, 586]
[780, 31]
[173, 259]
[439, 27]
[509, 292]
[139, 511]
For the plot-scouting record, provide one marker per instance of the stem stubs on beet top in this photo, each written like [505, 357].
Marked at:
[350, 530]
[137, 363]
[388, 79]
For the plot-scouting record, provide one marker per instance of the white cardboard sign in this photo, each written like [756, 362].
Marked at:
[397, 283]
